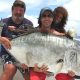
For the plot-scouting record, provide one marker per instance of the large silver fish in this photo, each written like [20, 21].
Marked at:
[46, 49]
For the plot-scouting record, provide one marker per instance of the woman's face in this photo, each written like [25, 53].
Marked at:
[46, 19]
[58, 17]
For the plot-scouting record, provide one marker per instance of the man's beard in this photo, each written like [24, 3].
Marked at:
[17, 18]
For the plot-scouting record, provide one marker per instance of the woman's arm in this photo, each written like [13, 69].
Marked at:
[52, 31]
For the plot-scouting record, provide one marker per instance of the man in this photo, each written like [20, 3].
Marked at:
[45, 22]
[16, 21]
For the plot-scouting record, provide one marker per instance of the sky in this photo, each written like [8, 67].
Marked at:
[33, 8]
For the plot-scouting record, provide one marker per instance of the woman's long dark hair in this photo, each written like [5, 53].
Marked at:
[60, 26]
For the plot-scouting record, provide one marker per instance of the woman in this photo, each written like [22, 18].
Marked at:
[60, 18]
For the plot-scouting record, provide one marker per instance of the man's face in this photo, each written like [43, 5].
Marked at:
[18, 13]
[46, 19]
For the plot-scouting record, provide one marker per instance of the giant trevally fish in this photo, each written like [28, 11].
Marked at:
[57, 52]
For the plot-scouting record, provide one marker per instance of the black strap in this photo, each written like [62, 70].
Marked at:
[77, 77]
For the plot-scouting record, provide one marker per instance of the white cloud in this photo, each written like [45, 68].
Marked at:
[57, 2]
[73, 9]
[33, 3]
[71, 24]
[4, 6]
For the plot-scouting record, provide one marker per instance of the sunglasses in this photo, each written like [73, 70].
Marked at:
[49, 15]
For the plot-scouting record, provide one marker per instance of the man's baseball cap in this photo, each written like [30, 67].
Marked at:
[43, 10]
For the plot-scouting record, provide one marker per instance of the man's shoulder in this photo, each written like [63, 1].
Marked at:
[5, 20]
[27, 21]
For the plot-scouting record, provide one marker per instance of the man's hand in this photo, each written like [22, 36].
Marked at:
[24, 66]
[5, 42]
[71, 73]
[11, 28]
[43, 68]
